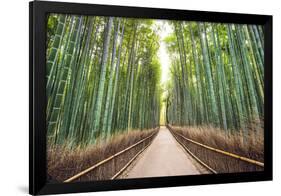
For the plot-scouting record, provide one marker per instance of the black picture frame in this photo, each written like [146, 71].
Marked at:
[37, 97]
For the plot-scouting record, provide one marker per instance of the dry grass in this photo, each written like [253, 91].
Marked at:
[251, 146]
[64, 163]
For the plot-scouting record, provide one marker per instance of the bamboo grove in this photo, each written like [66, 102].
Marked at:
[103, 77]
[217, 75]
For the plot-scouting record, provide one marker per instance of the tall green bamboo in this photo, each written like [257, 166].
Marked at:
[98, 104]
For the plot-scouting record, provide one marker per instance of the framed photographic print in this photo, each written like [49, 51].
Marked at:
[130, 97]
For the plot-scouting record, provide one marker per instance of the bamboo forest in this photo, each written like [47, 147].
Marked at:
[113, 81]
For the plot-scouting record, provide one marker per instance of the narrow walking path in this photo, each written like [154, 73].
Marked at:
[164, 157]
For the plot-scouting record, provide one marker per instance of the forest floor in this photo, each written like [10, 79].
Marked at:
[164, 157]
